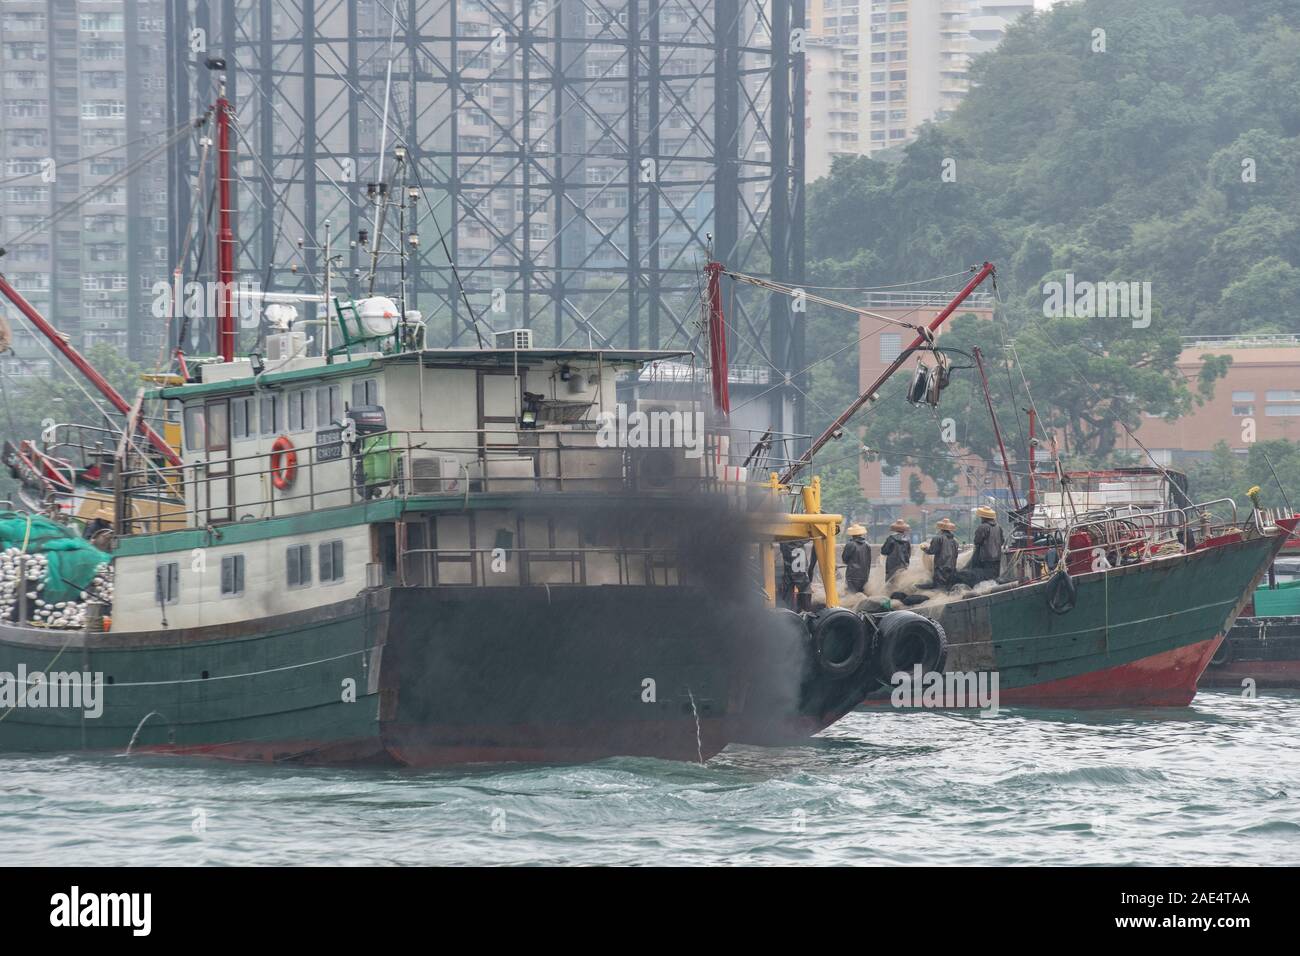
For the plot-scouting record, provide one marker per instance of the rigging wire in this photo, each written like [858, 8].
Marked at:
[880, 288]
[91, 156]
[74, 204]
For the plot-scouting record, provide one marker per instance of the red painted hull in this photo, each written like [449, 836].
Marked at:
[1162, 680]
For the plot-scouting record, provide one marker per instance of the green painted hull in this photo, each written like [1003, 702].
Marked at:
[1138, 636]
[430, 676]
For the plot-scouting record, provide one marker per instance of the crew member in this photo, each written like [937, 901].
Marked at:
[986, 562]
[857, 559]
[943, 548]
[799, 559]
[897, 549]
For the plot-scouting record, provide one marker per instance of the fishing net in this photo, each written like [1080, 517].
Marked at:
[71, 560]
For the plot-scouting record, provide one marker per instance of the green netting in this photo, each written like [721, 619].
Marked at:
[72, 560]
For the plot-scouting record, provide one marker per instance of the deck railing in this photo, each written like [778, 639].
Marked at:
[449, 463]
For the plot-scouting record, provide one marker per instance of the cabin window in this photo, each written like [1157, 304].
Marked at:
[331, 562]
[329, 404]
[194, 429]
[298, 566]
[241, 419]
[218, 416]
[232, 575]
[167, 583]
[272, 408]
[300, 411]
[365, 392]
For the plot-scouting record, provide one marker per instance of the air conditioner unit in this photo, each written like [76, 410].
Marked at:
[429, 474]
[286, 345]
[515, 339]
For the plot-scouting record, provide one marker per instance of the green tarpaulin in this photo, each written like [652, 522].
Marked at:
[72, 560]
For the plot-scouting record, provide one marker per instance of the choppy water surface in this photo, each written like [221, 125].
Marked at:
[1218, 782]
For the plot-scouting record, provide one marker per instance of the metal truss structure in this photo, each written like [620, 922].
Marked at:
[577, 160]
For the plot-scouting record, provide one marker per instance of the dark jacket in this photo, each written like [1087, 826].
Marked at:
[898, 553]
[857, 563]
[988, 545]
[943, 546]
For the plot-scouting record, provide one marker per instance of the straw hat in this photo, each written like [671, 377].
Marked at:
[855, 530]
[984, 511]
[943, 524]
[900, 525]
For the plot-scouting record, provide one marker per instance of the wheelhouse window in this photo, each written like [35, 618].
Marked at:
[218, 416]
[329, 405]
[167, 583]
[331, 562]
[232, 575]
[298, 566]
[242, 425]
[272, 414]
[300, 411]
[365, 392]
[194, 428]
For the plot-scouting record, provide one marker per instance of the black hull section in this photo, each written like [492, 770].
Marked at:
[578, 673]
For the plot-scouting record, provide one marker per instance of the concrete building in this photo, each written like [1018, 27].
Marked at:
[879, 69]
[81, 90]
[989, 19]
[1258, 400]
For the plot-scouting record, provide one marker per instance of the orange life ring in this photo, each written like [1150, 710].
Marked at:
[284, 463]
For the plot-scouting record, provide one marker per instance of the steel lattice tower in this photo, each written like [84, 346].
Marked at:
[572, 155]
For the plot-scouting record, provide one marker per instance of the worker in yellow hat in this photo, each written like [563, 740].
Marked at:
[986, 563]
[943, 548]
[856, 557]
[897, 549]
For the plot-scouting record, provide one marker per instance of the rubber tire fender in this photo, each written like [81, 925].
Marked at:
[830, 629]
[900, 634]
[1061, 593]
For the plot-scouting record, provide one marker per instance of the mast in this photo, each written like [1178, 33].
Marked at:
[226, 333]
[926, 334]
[85, 368]
[1033, 496]
[1006, 465]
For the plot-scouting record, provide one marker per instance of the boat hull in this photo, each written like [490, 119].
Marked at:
[1260, 652]
[430, 676]
[1138, 636]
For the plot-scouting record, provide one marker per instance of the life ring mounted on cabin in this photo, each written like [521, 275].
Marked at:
[284, 463]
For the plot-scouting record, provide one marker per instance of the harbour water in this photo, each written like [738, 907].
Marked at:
[1214, 783]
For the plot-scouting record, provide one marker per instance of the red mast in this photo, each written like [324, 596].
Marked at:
[76, 358]
[717, 340]
[225, 233]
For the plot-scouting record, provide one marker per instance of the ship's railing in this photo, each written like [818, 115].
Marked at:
[451, 463]
[452, 567]
[1127, 538]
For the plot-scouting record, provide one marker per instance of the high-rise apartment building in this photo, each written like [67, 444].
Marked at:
[879, 69]
[82, 97]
